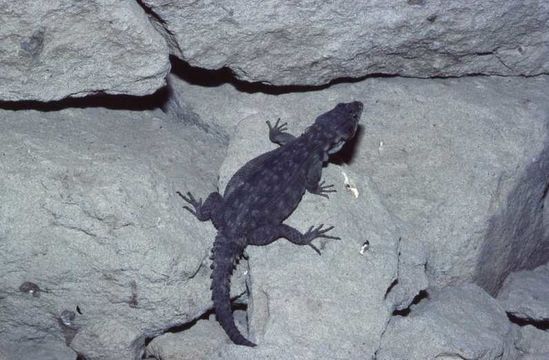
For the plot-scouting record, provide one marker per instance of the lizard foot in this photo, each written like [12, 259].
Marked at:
[323, 190]
[318, 232]
[277, 128]
[196, 204]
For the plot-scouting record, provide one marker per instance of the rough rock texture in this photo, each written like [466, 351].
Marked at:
[201, 341]
[525, 294]
[315, 42]
[533, 341]
[461, 322]
[63, 48]
[54, 49]
[96, 250]
[462, 163]
[110, 258]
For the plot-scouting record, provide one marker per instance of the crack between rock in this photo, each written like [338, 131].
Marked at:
[387, 292]
[395, 280]
[161, 26]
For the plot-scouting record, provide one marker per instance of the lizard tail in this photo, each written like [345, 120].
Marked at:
[225, 255]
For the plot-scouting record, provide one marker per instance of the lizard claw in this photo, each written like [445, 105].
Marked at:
[277, 126]
[315, 248]
[318, 232]
[323, 190]
[196, 204]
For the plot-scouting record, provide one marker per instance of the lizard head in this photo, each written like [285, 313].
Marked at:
[339, 124]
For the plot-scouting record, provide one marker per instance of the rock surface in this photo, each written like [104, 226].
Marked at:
[461, 322]
[315, 42]
[72, 49]
[525, 294]
[109, 257]
[457, 161]
[55, 49]
[201, 341]
[533, 341]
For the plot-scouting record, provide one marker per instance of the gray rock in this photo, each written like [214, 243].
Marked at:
[66, 48]
[458, 161]
[461, 322]
[411, 278]
[434, 165]
[525, 294]
[314, 42]
[201, 341]
[43, 349]
[533, 340]
[544, 356]
[95, 339]
[89, 215]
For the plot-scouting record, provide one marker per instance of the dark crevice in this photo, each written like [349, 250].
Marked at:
[113, 102]
[540, 324]
[151, 13]
[544, 194]
[190, 324]
[211, 78]
[205, 316]
[162, 27]
[162, 98]
[393, 284]
[422, 295]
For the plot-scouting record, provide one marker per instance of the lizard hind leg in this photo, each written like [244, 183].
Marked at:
[203, 211]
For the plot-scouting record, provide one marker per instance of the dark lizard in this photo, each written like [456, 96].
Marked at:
[264, 192]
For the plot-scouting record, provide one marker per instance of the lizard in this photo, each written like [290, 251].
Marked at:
[264, 192]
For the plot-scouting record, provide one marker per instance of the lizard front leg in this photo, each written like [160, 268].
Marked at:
[203, 211]
[278, 134]
[266, 234]
[312, 181]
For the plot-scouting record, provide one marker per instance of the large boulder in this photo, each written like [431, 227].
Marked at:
[525, 295]
[55, 49]
[96, 251]
[462, 322]
[315, 42]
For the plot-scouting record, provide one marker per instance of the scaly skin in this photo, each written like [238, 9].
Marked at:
[264, 192]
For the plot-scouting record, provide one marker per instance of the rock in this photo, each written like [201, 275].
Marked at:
[457, 161]
[535, 357]
[64, 48]
[199, 342]
[533, 341]
[95, 246]
[441, 165]
[461, 322]
[44, 349]
[95, 340]
[525, 294]
[411, 278]
[313, 42]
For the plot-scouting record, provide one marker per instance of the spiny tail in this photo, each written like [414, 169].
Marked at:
[225, 255]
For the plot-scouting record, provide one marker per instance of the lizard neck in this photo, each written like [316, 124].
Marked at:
[316, 141]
